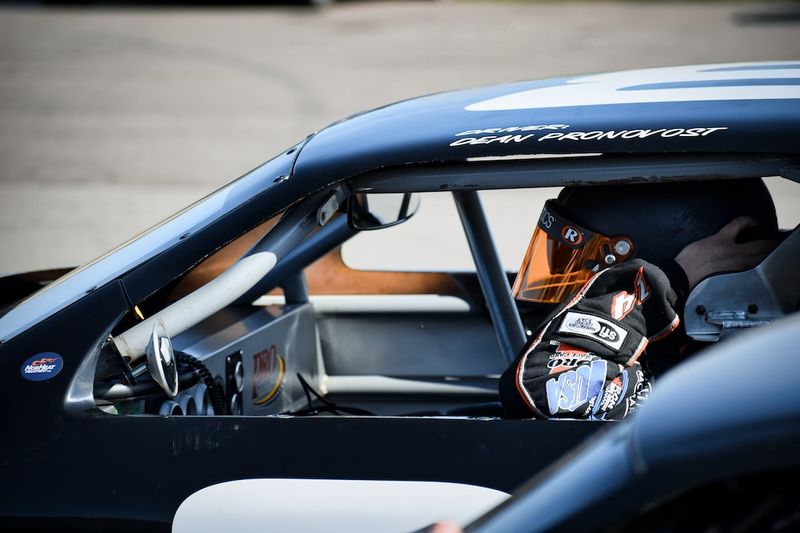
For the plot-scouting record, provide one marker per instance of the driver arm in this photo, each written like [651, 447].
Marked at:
[583, 362]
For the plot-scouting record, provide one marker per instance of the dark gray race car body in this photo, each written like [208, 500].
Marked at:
[67, 462]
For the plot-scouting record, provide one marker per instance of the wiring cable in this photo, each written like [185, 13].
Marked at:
[327, 405]
[215, 392]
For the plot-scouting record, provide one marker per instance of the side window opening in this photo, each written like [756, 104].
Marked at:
[433, 240]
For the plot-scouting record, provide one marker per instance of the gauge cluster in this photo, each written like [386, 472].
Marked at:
[240, 361]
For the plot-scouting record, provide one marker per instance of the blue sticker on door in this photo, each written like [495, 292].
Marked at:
[42, 367]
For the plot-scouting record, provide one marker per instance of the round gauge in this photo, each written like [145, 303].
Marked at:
[170, 408]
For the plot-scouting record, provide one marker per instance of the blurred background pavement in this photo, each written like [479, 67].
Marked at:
[112, 118]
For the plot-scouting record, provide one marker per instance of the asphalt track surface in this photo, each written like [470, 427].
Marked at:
[113, 118]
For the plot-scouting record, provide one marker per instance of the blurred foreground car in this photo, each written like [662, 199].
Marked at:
[231, 342]
[714, 449]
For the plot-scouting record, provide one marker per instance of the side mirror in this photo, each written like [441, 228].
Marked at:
[376, 211]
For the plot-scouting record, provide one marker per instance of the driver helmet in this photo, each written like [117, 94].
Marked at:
[590, 228]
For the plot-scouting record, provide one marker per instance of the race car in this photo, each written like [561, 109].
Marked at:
[232, 342]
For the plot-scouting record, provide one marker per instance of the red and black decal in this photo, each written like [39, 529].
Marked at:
[640, 286]
[572, 235]
[562, 229]
[621, 304]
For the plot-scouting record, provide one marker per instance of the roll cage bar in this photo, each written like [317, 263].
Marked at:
[573, 169]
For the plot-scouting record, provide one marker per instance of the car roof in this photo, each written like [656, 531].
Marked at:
[741, 109]
[720, 108]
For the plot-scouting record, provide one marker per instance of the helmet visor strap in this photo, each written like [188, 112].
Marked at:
[562, 256]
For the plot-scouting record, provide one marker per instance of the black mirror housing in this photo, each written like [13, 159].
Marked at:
[377, 211]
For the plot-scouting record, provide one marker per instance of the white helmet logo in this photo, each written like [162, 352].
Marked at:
[571, 235]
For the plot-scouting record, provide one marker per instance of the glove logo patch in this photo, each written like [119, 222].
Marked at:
[612, 395]
[603, 331]
[567, 357]
[621, 304]
[573, 389]
[642, 290]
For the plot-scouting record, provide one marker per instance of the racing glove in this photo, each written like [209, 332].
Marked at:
[583, 362]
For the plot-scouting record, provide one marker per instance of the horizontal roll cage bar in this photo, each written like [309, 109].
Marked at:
[573, 169]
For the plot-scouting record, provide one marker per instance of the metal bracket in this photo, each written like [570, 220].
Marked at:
[726, 303]
[330, 206]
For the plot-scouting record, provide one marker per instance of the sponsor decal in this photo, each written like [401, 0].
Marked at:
[612, 394]
[572, 235]
[640, 286]
[562, 229]
[566, 357]
[621, 304]
[596, 328]
[572, 390]
[42, 367]
[640, 394]
[595, 135]
[629, 134]
[546, 219]
[491, 139]
[513, 129]
[269, 371]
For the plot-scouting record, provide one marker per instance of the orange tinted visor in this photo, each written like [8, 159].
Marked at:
[562, 256]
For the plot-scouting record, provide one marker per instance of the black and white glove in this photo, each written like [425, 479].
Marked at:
[583, 362]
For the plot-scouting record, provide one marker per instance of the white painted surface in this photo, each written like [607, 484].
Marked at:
[614, 88]
[379, 303]
[303, 505]
[390, 385]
